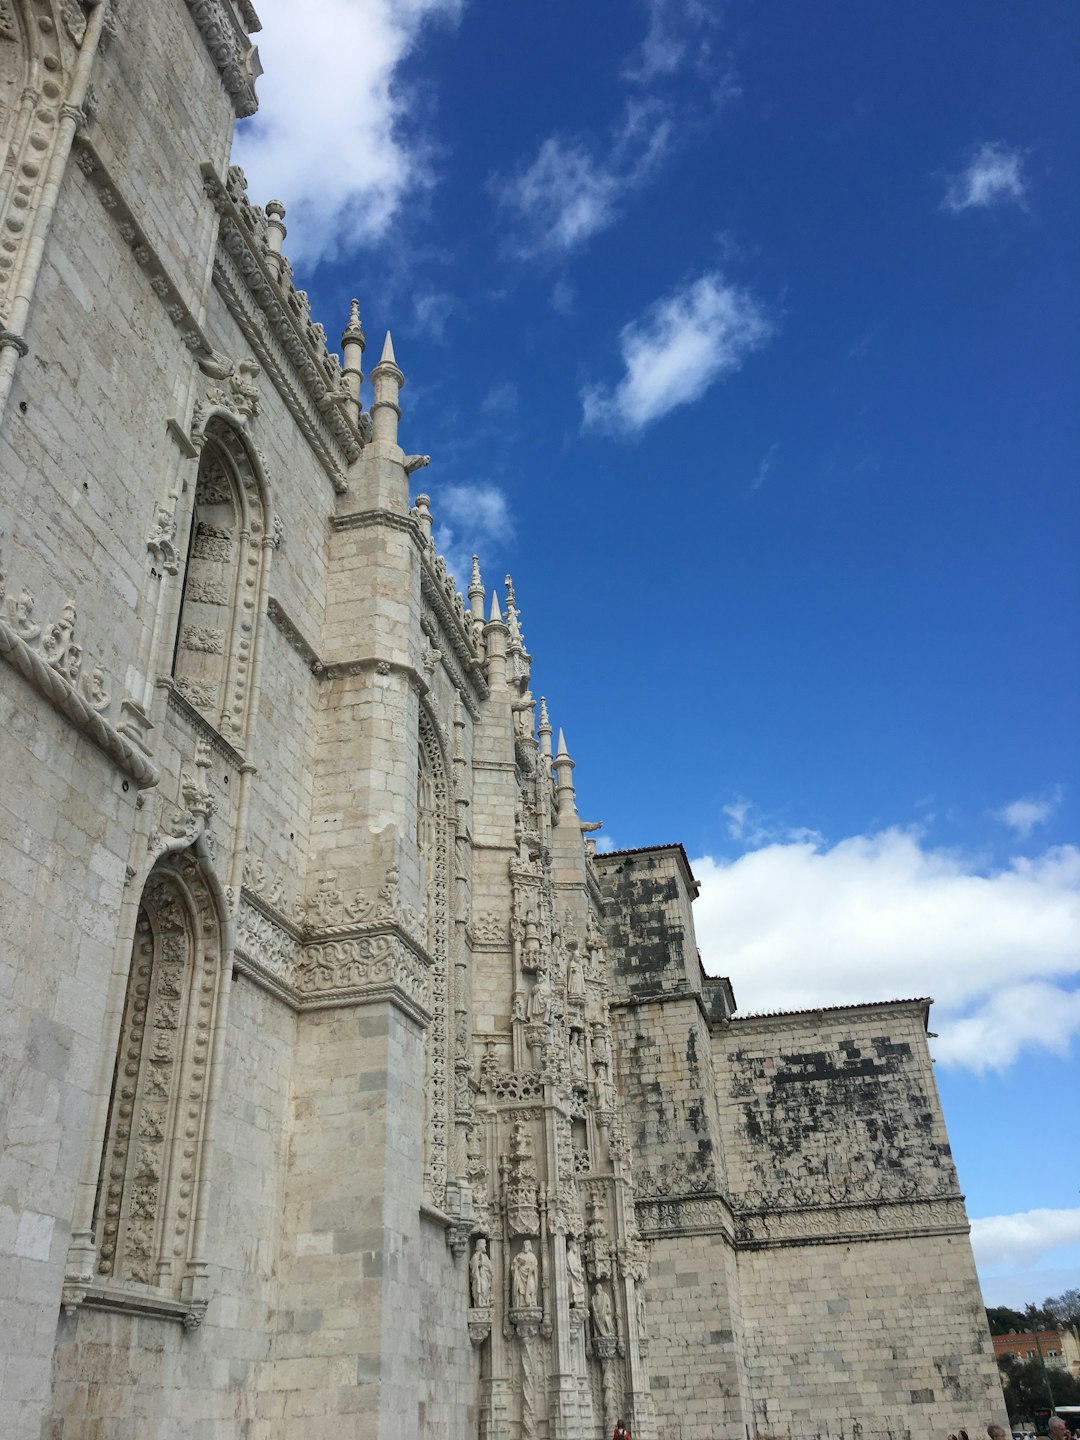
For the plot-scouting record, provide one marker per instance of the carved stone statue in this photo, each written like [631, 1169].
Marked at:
[524, 1278]
[577, 1055]
[540, 1000]
[575, 976]
[642, 1317]
[480, 1275]
[603, 1312]
[576, 1273]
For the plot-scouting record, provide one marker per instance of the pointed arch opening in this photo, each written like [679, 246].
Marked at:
[224, 583]
[148, 1190]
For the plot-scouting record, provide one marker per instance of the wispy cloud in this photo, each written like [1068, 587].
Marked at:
[432, 310]
[343, 170]
[764, 468]
[1022, 1239]
[467, 519]
[501, 399]
[571, 190]
[677, 30]
[799, 922]
[675, 351]
[563, 297]
[993, 177]
[1021, 816]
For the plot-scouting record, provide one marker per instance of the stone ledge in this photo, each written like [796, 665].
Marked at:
[139, 1303]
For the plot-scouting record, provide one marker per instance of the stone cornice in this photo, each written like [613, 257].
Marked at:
[333, 669]
[842, 1224]
[276, 365]
[292, 633]
[470, 679]
[694, 1214]
[286, 313]
[66, 700]
[362, 519]
[346, 965]
[230, 49]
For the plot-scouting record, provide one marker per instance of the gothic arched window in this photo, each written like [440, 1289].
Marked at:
[223, 584]
[149, 1187]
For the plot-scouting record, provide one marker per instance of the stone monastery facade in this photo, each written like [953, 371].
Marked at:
[344, 1091]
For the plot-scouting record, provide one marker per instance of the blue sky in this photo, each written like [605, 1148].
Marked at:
[744, 335]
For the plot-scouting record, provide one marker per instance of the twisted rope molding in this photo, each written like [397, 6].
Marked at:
[63, 697]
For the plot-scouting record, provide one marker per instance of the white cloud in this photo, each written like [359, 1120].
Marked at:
[992, 178]
[501, 399]
[675, 30]
[329, 138]
[432, 310]
[798, 923]
[1022, 1239]
[569, 193]
[467, 518]
[1024, 814]
[676, 350]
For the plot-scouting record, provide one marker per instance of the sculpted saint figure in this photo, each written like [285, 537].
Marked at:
[523, 1278]
[480, 1275]
[603, 1314]
[576, 1273]
[577, 1055]
[642, 1318]
[575, 976]
[540, 999]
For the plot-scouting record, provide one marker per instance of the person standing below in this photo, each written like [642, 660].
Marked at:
[621, 1432]
[1057, 1428]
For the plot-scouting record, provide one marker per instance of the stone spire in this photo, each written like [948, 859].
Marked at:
[495, 635]
[477, 595]
[352, 348]
[564, 786]
[512, 622]
[385, 410]
[544, 730]
[275, 238]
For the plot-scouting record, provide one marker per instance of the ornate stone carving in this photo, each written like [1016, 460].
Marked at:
[480, 1276]
[237, 390]
[836, 1223]
[208, 639]
[55, 670]
[232, 53]
[162, 537]
[161, 1083]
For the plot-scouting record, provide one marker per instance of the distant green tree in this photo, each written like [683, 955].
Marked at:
[1004, 1321]
[1025, 1385]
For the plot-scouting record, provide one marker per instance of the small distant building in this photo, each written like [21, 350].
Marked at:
[1058, 1347]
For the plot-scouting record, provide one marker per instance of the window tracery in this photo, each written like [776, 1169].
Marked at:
[221, 606]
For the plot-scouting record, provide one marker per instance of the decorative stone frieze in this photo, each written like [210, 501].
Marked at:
[285, 311]
[351, 965]
[842, 1224]
[50, 659]
[236, 58]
